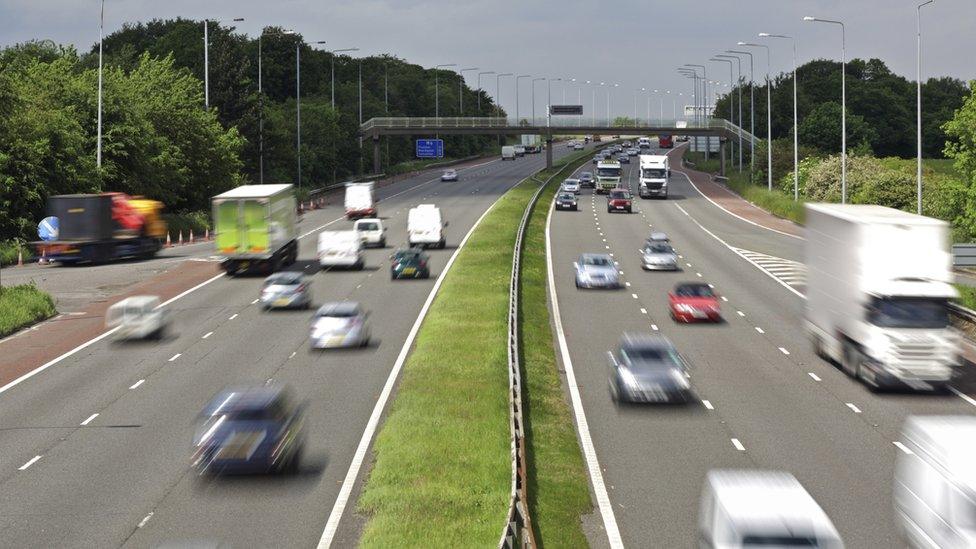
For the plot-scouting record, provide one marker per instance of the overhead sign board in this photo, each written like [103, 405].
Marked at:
[430, 148]
[572, 110]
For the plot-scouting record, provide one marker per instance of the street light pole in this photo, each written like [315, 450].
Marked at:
[843, 102]
[480, 74]
[461, 89]
[206, 58]
[918, 101]
[704, 94]
[101, 33]
[534, 80]
[769, 115]
[738, 85]
[752, 110]
[796, 137]
[549, 101]
[437, 106]
[498, 91]
[518, 121]
[731, 101]
[332, 82]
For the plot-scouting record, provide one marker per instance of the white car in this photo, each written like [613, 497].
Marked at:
[137, 317]
[340, 324]
[371, 231]
[571, 186]
[449, 175]
[341, 249]
[578, 147]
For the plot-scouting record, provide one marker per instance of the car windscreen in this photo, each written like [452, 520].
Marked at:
[339, 312]
[608, 172]
[586, 175]
[694, 291]
[615, 195]
[566, 197]
[653, 173]
[283, 280]
[659, 249]
[597, 261]
[906, 312]
[367, 227]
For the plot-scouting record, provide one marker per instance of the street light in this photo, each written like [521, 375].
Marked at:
[498, 91]
[843, 102]
[731, 98]
[461, 89]
[261, 103]
[769, 115]
[332, 81]
[532, 83]
[918, 101]
[101, 28]
[437, 106]
[480, 74]
[608, 101]
[738, 85]
[518, 121]
[298, 105]
[704, 102]
[549, 101]
[206, 57]
[752, 110]
[796, 137]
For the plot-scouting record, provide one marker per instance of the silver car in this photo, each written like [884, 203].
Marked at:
[647, 368]
[571, 186]
[596, 271]
[340, 324]
[659, 256]
[449, 175]
[286, 290]
[657, 237]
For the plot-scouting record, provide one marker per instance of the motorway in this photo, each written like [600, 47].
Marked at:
[764, 400]
[95, 450]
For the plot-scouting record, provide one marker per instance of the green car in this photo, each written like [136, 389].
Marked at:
[410, 263]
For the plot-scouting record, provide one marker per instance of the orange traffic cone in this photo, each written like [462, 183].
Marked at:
[180, 241]
[20, 258]
[206, 233]
[191, 236]
[169, 243]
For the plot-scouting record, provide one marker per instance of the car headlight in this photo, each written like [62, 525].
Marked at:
[680, 379]
[627, 377]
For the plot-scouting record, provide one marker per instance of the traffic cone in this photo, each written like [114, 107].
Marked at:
[20, 258]
[206, 233]
[180, 241]
[169, 243]
[191, 236]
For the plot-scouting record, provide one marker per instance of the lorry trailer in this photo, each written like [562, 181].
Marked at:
[255, 228]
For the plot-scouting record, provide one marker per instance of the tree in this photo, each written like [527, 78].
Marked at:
[822, 129]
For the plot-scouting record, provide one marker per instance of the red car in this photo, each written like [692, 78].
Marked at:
[619, 201]
[693, 302]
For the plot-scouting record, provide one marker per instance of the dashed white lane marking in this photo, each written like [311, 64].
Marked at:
[144, 520]
[627, 284]
[814, 376]
[738, 445]
[232, 317]
[724, 298]
[712, 286]
[137, 384]
[853, 408]
[903, 448]
[174, 357]
[708, 405]
[740, 313]
[255, 301]
[784, 351]
[607, 247]
[30, 462]
[698, 275]
[760, 330]
[634, 296]
[292, 355]
[688, 264]
[206, 335]
[654, 327]
[643, 311]
[89, 420]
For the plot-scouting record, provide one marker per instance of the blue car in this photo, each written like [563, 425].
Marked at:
[253, 430]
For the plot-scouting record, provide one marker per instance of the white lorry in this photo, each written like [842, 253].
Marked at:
[608, 173]
[877, 295]
[644, 143]
[360, 201]
[655, 174]
[425, 226]
[341, 249]
[532, 143]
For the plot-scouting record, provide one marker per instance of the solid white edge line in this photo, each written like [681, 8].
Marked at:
[903, 448]
[338, 509]
[90, 419]
[30, 462]
[582, 427]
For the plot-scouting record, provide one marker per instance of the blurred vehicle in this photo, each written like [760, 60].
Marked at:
[644, 143]
[617, 148]
[371, 231]
[137, 317]
[608, 174]
[878, 291]
[519, 150]
[449, 175]
[360, 201]
[340, 324]
[749, 508]
[571, 143]
[409, 263]
[286, 290]
[633, 151]
[665, 142]
[256, 228]
[658, 256]
[249, 430]
[620, 201]
[623, 158]
[341, 249]
[586, 180]
[647, 368]
[587, 138]
[935, 484]
[626, 144]
[597, 158]
[694, 301]
[578, 147]
[607, 154]
[508, 152]
[657, 236]
[655, 174]
[97, 228]
[566, 201]
[570, 186]
[532, 143]
[425, 226]
[596, 271]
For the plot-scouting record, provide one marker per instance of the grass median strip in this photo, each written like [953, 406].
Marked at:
[21, 306]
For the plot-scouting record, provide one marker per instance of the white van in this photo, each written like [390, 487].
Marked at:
[508, 152]
[341, 249]
[655, 174]
[935, 484]
[137, 317]
[644, 143]
[359, 200]
[371, 231]
[741, 508]
[425, 226]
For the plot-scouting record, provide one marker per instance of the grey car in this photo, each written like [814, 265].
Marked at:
[570, 186]
[286, 290]
[659, 256]
[647, 368]
[340, 324]
[586, 179]
[623, 158]
[596, 271]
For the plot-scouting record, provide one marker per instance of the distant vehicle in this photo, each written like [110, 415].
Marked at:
[360, 201]
[750, 508]
[519, 150]
[571, 186]
[597, 158]
[256, 228]
[644, 143]
[371, 231]
[693, 302]
[340, 324]
[508, 152]
[623, 158]
[620, 201]
[425, 226]
[607, 154]
[665, 142]
[341, 249]
[571, 143]
[617, 148]
[532, 143]
[137, 317]
[449, 175]
[587, 138]
[935, 489]
[409, 263]
[608, 174]
[657, 236]
[633, 151]
[566, 201]
[647, 368]
[878, 291]
[249, 430]
[626, 144]
[286, 290]
[596, 271]
[659, 256]
[586, 179]
[578, 147]
[655, 174]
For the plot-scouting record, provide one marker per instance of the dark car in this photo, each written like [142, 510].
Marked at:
[586, 179]
[597, 158]
[566, 201]
[619, 201]
[693, 302]
[623, 158]
[249, 430]
[409, 263]
[647, 368]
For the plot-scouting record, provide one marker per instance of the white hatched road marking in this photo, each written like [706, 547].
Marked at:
[792, 273]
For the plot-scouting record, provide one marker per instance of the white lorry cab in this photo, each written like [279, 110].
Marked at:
[608, 173]
[878, 291]
[743, 508]
[655, 174]
[425, 226]
[341, 249]
[644, 143]
[359, 200]
[137, 317]
[935, 482]
[371, 231]
[508, 152]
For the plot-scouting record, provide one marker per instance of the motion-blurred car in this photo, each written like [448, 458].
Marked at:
[371, 231]
[657, 236]
[249, 430]
[571, 186]
[620, 200]
[647, 368]
[623, 158]
[409, 263]
[586, 179]
[626, 144]
[340, 324]
[658, 256]
[633, 151]
[578, 147]
[596, 271]
[286, 290]
[137, 317]
[617, 148]
[693, 302]
[566, 201]
[597, 158]
[449, 175]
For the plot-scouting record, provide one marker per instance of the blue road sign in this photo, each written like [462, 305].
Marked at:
[47, 229]
[430, 148]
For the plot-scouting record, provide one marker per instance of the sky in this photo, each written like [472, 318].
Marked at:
[634, 44]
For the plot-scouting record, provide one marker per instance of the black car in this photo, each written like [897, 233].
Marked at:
[623, 158]
[566, 201]
[586, 179]
[409, 263]
[647, 368]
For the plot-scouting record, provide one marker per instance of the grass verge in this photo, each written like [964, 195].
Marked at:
[442, 470]
[21, 306]
[967, 296]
